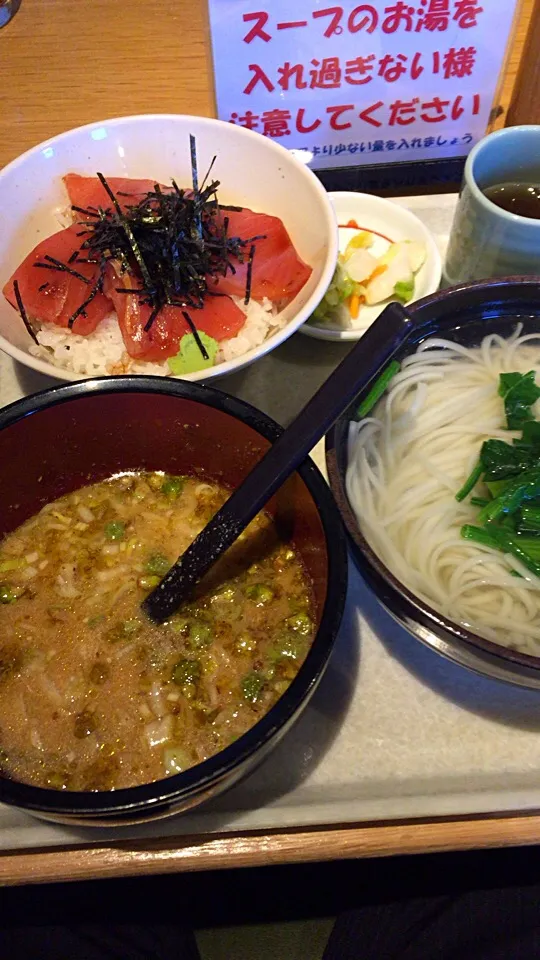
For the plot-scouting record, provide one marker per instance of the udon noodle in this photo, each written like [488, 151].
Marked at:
[407, 461]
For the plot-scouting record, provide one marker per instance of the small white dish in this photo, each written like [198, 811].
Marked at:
[393, 222]
[253, 171]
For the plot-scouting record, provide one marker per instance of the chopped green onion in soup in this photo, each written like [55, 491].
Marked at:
[117, 700]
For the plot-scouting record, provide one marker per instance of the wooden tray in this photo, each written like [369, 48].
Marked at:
[399, 751]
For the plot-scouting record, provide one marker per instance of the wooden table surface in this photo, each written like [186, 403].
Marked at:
[68, 62]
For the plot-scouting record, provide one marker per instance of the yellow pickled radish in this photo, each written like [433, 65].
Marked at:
[362, 239]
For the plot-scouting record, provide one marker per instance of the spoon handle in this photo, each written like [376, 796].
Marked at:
[360, 366]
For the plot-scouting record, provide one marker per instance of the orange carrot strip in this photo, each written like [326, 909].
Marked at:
[379, 269]
[354, 305]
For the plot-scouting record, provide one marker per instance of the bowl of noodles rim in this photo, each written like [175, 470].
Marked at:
[456, 313]
[249, 433]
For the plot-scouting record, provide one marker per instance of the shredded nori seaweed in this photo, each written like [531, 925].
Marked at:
[81, 311]
[23, 312]
[195, 333]
[174, 243]
[249, 273]
[54, 264]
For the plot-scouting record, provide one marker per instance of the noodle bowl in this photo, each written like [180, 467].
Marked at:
[408, 459]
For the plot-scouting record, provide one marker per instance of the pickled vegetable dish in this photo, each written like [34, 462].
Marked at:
[371, 268]
[93, 696]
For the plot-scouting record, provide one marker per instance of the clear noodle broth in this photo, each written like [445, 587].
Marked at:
[408, 459]
[93, 696]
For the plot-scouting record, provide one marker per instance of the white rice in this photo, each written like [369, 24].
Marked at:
[103, 352]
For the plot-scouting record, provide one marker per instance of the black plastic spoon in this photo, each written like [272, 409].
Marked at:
[372, 352]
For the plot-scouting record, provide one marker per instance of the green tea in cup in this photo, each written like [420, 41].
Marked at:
[522, 199]
[496, 228]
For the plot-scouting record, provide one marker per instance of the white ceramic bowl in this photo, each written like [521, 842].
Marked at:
[253, 170]
[396, 223]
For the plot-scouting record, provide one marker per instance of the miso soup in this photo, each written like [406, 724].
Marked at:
[94, 696]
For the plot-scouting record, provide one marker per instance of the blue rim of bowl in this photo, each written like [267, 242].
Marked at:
[130, 801]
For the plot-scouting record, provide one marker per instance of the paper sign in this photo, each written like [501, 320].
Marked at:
[361, 83]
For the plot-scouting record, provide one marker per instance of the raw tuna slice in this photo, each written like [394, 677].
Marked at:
[278, 272]
[51, 295]
[87, 192]
[220, 318]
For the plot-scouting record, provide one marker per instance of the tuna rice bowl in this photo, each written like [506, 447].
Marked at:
[154, 278]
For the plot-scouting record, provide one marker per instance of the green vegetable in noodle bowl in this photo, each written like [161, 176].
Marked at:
[95, 697]
[519, 392]
[511, 474]
[444, 477]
